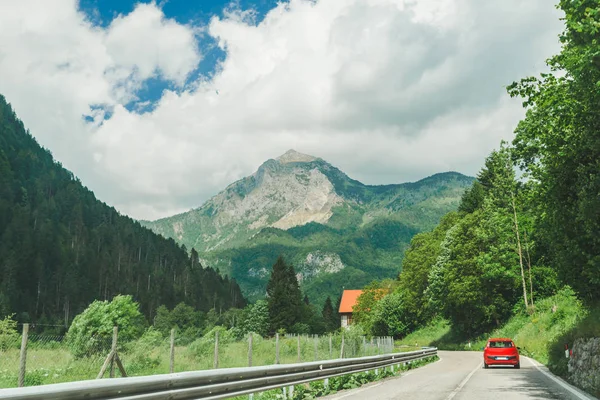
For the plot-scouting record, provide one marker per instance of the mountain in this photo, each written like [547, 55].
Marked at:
[335, 230]
[61, 248]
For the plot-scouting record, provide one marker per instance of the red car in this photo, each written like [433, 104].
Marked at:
[501, 351]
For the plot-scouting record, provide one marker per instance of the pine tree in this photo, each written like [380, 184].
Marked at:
[283, 296]
[330, 316]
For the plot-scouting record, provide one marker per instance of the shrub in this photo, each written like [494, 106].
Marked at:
[9, 337]
[91, 330]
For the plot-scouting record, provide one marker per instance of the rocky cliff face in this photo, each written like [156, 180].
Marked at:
[283, 193]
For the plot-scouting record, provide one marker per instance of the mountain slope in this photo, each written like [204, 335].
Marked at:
[297, 189]
[335, 230]
[61, 248]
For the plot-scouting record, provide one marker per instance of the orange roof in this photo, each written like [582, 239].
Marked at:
[349, 298]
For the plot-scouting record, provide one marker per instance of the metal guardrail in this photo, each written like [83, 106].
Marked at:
[211, 384]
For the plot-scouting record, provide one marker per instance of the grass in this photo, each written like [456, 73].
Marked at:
[52, 361]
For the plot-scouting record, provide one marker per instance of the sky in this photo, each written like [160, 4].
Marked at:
[158, 105]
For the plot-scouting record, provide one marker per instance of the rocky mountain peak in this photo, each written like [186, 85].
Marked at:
[292, 156]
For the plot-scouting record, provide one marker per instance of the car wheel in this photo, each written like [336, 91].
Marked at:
[518, 366]
[485, 366]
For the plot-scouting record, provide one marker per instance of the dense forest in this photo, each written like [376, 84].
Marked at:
[530, 224]
[61, 248]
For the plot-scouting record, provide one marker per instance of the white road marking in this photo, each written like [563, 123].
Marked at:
[578, 394]
[463, 383]
[355, 391]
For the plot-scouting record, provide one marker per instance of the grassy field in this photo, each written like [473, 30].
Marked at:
[51, 361]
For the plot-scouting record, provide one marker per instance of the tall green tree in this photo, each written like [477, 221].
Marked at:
[418, 261]
[330, 316]
[284, 297]
[558, 146]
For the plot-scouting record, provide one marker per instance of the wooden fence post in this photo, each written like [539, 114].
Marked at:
[172, 361]
[298, 348]
[277, 348]
[216, 357]
[250, 349]
[113, 351]
[330, 347]
[316, 339]
[23, 356]
[342, 348]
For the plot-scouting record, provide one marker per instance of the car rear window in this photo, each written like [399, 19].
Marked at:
[500, 344]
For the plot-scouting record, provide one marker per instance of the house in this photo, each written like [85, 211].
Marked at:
[349, 300]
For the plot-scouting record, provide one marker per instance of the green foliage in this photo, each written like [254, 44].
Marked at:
[284, 297]
[255, 318]
[206, 344]
[557, 145]
[472, 198]
[96, 323]
[61, 248]
[9, 337]
[188, 322]
[364, 310]
[141, 354]
[417, 264]
[330, 316]
[389, 316]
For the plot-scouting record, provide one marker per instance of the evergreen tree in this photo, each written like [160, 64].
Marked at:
[330, 317]
[283, 297]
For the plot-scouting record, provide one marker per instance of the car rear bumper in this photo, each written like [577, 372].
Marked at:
[494, 361]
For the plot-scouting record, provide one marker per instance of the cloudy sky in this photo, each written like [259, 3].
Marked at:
[157, 106]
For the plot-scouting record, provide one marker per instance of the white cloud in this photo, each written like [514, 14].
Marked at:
[146, 43]
[388, 90]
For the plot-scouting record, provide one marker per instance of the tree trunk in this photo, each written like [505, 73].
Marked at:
[519, 250]
[529, 267]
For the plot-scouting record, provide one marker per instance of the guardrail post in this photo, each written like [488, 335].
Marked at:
[250, 350]
[277, 348]
[298, 348]
[23, 355]
[113, 351]
[172, 358]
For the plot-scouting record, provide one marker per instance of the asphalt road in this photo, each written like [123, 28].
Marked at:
[460, 376]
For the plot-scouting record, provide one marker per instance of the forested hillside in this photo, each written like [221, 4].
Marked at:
[61, 248]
